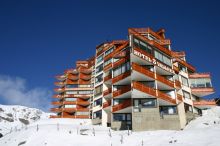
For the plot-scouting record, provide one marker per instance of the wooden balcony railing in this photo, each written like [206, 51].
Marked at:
[107, 103]
[184, 63]
[178, 84]
[179, 97]
[70, 82]
[107, 67]
[199, 75]
[55, 116]
[82, 116]
[59, 89]
[85, 71]
[108, 91]
[56, 103]
[121, 77]
[69, 102]
[143, 88]
[56, 109]
[165, 81]
[204, 102]
[120, 106]
[72, 77]
[108, 77]
[120, 61]
[165, 97]
[60, 84]
[142, 70]
[84, 77]
[124, 89]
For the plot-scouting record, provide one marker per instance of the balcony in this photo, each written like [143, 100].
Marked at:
[60, 77]
[69, 102]
[165, 99]
[107, 93]
[202, 91]
[70, 82]
[57, 103]
[82, 102]
[84, 82]
[84, 77]
[142, 90]
[73, 77]
[204, 104]
[60, 84]
[141, 73]
[124, 92]
[178, 84]
[82, 116]
[163, 83]
[123, 78]
[107, 104]
[59, 90]
[75, 109]
[121, 61]
[56, 110]
[180, 97]
[184, 63]
[122, 107]
[55, 116]
[85, 71]
[107, 67]
[107, 79]
[151, 42]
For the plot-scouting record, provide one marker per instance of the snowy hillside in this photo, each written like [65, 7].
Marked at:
[204, 131]
[15, 117]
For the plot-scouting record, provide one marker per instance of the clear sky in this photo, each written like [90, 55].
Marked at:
[41, 38]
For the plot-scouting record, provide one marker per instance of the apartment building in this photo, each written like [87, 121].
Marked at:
[142, 84]
[74, 91]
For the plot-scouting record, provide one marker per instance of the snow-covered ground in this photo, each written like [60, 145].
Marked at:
[14, 117]
[204, 131]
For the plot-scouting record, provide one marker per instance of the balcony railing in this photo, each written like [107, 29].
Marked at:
[179, 97]
[60, 77]
[84, 77]
[142, 70]
[184, 63]
[108, 77]
[108, 91]
[107, 67]
[85, 71]
[75, 109]
[178, 84]
[59, 89]
[165, 97]
[60, 84]
[121, 76]
[165, 81]
[69, 102]
[124, 89]
[121, 61]
[56, 109]
[72, 77]
[56, 103]
[120, 106]
[55, 116]
[143, 88]
[199, 75]
[204, 102]
[107, 103]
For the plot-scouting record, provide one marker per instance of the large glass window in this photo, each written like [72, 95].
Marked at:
[99, 68]
[185, 81]
[144, 103]
[99, 78]
[142, 45]
[168, 110]
[121, 69]
[99, 59]
[201, 83]
[163, 58]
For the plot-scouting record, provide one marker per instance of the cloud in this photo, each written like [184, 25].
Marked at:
[14, 90]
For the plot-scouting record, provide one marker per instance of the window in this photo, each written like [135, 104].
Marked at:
[201, 83]
[71, 86]
[142, 45]
[98, 90]
[168, 110]
[163, 58]
[98, 102]
[121, 69]
[99, 59]
[97, 114]
[99, 79]
[185, 81]
[122, 117]
[70, 99]
[182, 68]
[186, 95]
[69, 106]
[188, 108]
[144, 103]
[99, 68]
[108, 62]
[109, 51]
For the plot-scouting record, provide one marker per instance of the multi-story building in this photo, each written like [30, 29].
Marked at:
[141, 84]
[74, 91]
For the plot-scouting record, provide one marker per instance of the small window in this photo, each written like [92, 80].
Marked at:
[185, 81]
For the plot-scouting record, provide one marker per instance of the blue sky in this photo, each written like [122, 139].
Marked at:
[39, 39]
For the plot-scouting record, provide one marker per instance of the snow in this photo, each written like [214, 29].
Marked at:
[204, 131]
